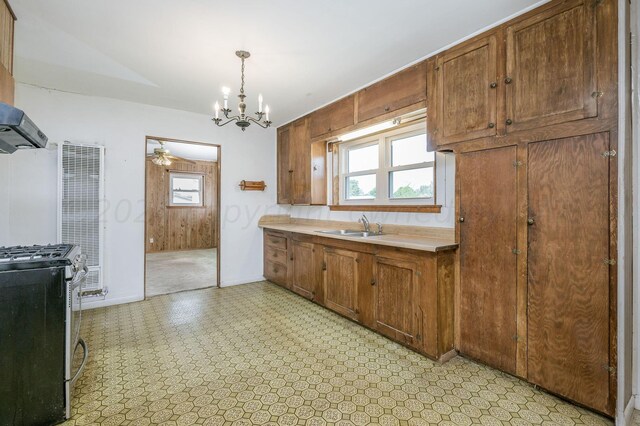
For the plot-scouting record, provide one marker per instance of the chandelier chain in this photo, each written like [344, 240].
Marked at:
[242, 78]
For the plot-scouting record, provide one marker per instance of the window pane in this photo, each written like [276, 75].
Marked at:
[416, 183]
[180, 197]
[360, 159]
[411, 150]
[186, 184]
[360, 187]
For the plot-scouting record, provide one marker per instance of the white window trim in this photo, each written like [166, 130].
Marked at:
[187, 175]
[383, 140]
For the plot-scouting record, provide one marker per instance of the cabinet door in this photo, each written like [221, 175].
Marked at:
[397, 301]
[341, 281]
[284, 170]
[331, 118]
[487, 262]
[300, 161]
[304, 278]
[568, 277]
[467, 84]
[408, 87]
[551, 67]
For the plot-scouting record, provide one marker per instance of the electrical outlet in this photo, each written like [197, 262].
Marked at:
[150, 240]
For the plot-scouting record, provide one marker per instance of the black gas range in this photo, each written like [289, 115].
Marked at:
[40, 315]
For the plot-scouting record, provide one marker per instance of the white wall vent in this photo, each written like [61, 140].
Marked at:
[80, 206]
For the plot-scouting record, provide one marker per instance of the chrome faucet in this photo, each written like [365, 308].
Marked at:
[365, 223]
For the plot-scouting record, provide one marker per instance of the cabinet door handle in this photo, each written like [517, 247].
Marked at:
[508, 80]
[531, 221]
[461, 219]
[492, 125]
[493, 85]
[509, 122]
[373, 281]
[387, 108]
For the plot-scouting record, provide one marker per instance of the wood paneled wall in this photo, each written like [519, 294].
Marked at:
[180, 228]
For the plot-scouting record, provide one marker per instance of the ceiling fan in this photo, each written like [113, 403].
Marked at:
[162, 156]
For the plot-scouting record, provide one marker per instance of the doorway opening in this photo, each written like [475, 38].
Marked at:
[182, 220]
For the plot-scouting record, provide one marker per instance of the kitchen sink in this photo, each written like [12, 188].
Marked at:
[351, 233]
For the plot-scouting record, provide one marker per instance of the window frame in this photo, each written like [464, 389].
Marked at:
[189, 175]
[384, 141]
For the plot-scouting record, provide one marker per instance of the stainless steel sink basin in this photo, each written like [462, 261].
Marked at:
[351, 233]
[341, 232]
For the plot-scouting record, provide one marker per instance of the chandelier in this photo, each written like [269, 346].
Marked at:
[243, 120]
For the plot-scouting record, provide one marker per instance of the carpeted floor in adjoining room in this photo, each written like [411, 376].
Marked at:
[258, 354]
[174, 271]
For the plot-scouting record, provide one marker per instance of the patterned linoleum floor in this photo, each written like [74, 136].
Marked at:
[257, 354]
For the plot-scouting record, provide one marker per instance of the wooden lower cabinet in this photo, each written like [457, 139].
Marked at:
[405, 295]
[340, 281]
[569, 271]
[488, 213]
[397, 300]
[276, 267]
[303, 278]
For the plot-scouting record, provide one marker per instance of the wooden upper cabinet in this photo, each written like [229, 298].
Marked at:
[300, 162]
[301, 166]
[284, 170]
[465, 93]
[7, 83]
[405, 88]
[397, 300]
[551, 67]
[332, 118]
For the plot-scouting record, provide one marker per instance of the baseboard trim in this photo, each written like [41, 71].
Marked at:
[241, 281]
[110, 302]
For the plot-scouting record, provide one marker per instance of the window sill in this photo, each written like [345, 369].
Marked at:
[424, 208]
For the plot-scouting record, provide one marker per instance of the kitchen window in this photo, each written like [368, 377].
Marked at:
[186, 189]
[390, 168]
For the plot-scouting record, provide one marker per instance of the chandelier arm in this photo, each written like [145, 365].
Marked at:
[218, 120]
[259, 123]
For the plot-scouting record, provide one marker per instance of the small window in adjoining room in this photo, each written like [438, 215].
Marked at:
[186, 189]
[388, 168]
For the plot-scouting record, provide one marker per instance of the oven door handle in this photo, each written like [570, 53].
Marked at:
[85, 356]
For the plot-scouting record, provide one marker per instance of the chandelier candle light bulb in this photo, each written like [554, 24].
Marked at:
[243, 120]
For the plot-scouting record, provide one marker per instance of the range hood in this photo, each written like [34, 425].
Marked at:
[17, 131]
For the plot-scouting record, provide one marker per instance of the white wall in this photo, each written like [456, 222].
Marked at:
[445, 196]
[29, 181]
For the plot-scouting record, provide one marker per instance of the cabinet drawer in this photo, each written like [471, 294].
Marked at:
[275, 272]
[275, 255]
[275, 241]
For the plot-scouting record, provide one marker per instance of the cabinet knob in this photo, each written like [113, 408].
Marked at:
[492, 125]
[493, 85]
[373, 281]
[508, 80]
[290, 171]
[531, 221]
[387, 108]
[509, 122]
[461, 219]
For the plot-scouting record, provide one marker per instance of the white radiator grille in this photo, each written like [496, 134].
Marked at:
[81, 187]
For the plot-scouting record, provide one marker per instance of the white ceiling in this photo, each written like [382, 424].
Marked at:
[186, 150]
[179, 53]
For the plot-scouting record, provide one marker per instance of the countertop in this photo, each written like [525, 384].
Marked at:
[415, 242]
